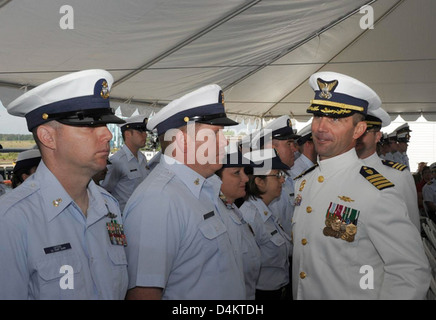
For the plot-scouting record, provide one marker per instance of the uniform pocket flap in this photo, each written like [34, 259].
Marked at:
[212, 228]
[118, 257]
[57, 265]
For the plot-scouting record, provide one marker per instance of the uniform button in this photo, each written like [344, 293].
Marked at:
[302, 275]
[309, 209]
[320, 179]
[303, 241]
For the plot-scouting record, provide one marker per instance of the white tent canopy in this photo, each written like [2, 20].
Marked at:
[260, 52]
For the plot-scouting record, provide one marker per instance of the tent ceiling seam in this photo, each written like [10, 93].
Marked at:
[292, 48]
[194, 37]
[389, 11]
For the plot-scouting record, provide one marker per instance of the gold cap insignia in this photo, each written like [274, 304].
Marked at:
[45, 116]
[104, 90]
[186, 119]
[222, 98]
[326, 87]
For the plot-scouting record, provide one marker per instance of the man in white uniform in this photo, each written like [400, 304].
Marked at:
[395, 172]
[352, 236]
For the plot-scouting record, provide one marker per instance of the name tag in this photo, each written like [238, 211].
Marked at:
[208, 215]
[133, 170]
[58, 248]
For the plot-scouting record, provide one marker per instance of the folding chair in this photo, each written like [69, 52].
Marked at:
[430, 252]
[430, 234]
[431, 294]
[425, 210]
[432, 225]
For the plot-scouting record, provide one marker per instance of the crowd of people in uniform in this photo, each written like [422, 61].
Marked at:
[281, 215]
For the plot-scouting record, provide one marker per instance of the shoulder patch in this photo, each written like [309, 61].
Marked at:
[306, 172]
[375, 178]
[395, 165]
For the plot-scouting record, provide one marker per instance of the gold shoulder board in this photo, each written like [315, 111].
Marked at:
[375, 178]
[395, 165]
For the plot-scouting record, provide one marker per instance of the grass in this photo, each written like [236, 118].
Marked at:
[10, 157]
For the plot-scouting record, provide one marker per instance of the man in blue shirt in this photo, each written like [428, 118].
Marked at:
[61, 235]
[128, 166]
[180, 248]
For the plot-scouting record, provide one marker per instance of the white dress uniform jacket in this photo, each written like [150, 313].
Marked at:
[404, 183]
[125, 174]
[42, 230]
[300, 165]
[381, 257]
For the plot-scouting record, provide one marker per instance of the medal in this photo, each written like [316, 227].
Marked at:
[297, 200]
[341, 222]
[116, 233]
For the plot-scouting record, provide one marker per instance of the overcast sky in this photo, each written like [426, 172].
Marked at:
[12, 124]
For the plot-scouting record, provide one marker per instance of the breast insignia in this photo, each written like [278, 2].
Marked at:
[375, 178]
[395, 165]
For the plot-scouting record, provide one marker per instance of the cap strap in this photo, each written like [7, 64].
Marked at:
[337, 105]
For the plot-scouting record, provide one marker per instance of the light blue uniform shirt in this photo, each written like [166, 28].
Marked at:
[125, 174]
[42, 229]
[177, 239]
[283, 206]
[300, 165]
[245, 245]
[274, 244]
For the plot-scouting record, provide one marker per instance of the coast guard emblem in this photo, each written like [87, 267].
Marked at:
[326, 87]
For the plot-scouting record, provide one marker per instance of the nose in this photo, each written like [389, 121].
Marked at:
[223, 142]
[319, 124]
[105, 133]
[244, 177]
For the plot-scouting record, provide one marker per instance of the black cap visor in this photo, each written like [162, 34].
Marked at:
[219, 119]
[87, 118]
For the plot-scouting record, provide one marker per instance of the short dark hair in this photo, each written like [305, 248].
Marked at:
[251, 187]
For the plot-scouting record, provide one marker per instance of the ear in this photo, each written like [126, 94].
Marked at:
[359, 129]
[181, 140]
[260, 183]
[378, 136]
[47, 136]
